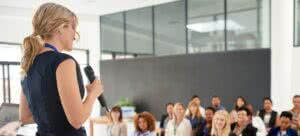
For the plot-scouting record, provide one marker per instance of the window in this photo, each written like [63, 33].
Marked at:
[112, 32]
[170, 31]
[188, 26]
[248, 24]
[139, 34]
[206, 26]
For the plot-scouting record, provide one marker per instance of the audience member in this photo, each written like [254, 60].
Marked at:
[243, 126]
[284, 128]
[144, 124]
[179, 126]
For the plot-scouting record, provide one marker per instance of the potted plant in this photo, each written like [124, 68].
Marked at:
[127, 107]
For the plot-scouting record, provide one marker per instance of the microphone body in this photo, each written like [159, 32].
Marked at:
[89, 72]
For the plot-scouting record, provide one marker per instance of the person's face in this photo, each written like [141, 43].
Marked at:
[284, 123]
[143, 124]
[179, 111]
[267, 105]
[67, 35]
[296, 102]
[170, 109]
[197, 100]
[219, 121]
[193, 109]
[240, 102]
[209, 114]
[242, 118]
[115, 115]
[216, 102]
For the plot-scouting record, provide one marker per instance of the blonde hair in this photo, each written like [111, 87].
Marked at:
[178, 104]
[226, 129]
[198, 113]
[48, 18]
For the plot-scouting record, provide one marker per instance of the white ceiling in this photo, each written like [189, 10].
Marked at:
[84, 7]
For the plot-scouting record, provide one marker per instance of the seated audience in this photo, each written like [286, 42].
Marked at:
[144, 124]
[166, 117]
[239, 102]
[284, 128]
[221, 124]
[243, 126]
[179, 126]
[216, 103]
[268, 115]
[204, 129]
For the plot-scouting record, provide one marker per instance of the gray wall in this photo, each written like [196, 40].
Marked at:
[152, 82]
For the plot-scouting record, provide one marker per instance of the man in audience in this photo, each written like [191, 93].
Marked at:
[166, 117]
[295, 110]
[267, 114]
[197, 100]
[243, 126]
[284, 128]
[216, 103]
[204, 129]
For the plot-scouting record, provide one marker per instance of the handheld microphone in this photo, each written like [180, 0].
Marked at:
[89, 72]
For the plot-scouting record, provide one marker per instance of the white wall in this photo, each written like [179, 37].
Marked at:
[281, 53]
[296, 71]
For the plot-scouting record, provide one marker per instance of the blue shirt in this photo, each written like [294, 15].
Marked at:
[40, 89]
[195, 122]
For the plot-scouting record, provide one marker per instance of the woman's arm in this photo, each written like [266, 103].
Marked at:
[124, 129]
[91, 128]
[77, 112]
[25, 115]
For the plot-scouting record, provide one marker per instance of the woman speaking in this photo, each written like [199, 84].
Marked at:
[52, 87]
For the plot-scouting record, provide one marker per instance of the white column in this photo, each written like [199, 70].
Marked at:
[281, 53]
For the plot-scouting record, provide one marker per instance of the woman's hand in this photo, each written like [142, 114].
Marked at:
[95, 89]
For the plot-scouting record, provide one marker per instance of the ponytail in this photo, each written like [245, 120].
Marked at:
[31, 47]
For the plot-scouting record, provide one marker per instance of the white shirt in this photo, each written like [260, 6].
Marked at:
[259, 124]
[282, 133]
[267, 118]
[183, 129]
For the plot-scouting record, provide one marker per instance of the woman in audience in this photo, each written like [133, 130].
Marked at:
[197, 100]
[267, 114]
[165, 118]
[257, 122]
[243, 126]
[221, 124]
[204, 129]
[239, 102]
[194, 115]
[144, 124]
[116, 126]
[179, 126]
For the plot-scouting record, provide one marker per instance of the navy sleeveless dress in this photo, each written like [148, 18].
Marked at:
[40, 89]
